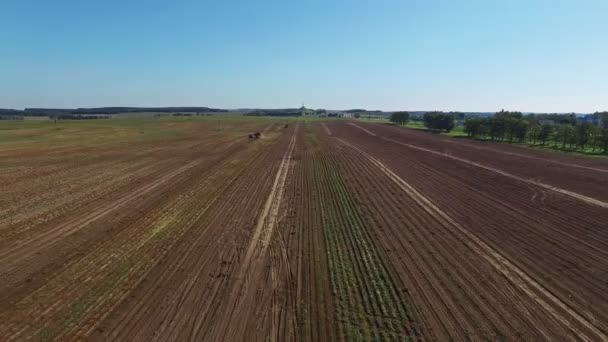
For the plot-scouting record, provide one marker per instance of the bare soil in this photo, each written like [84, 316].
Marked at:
[329, 231]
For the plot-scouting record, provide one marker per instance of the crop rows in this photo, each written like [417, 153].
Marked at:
[88, 284]
[476, 300]
[333, 231]
[368, 304]
[206, 257]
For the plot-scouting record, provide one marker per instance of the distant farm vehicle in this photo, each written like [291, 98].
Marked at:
[255, 135]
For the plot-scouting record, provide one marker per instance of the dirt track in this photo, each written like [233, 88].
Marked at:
[323, 232]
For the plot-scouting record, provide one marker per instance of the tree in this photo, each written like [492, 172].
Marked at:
[496, 128]
[508, 115]
[357, 115]
[510, 130]
[595, 137]
[603, 117]
[545, 132]
[569, 119]
[400, 118]
[458, 115]
[565, 134]
[439, 121]
[518, 129]
[604, 139]
[533, 131]
[505, 124]
[583, 134]
[472, 127]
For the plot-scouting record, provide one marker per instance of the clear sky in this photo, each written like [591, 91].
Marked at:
[476, 55]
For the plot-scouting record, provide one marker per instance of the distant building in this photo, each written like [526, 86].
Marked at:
[321, 112]
[306, 111]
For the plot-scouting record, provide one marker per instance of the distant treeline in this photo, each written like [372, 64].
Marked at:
[11, 114]
[8, 112]
[103, 110]
[587, 133]
[11, 117]
[562, 131]
[363, 111]
[433, 121]
[58, 117]
[459, 116]
[275, 112]
[319, 112]
[79, 117]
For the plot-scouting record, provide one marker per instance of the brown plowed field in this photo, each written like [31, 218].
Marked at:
[585, 175]
[512, 259]
[316, 232]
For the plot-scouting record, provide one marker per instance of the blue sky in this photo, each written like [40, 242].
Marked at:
[476, 55]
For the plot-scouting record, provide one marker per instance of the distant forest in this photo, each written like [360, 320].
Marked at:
[62, 112]
[275, 112]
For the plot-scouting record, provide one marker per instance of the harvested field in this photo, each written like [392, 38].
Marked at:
[173, 230]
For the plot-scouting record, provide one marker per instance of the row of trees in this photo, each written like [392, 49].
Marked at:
[79, 117]
[275, 112]
[503, 126]
[434, 121]
[400, 118]
[562, 131]
[439, 121]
